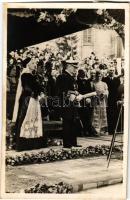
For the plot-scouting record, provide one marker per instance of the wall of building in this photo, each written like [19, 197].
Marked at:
[104, 43]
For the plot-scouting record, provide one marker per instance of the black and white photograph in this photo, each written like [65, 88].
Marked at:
[65, 100]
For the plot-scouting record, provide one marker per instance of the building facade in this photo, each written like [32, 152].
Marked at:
[104, 43]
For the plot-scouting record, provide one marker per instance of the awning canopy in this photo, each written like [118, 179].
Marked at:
[26, 31]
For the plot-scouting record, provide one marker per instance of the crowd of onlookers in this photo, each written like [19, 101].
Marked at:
[50, 66]
[50, 62]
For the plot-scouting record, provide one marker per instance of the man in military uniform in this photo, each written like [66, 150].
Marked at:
[67, 92]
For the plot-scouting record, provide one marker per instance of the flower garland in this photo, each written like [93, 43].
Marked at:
[62, 154]
[60, 188]
[45, 17]
[108, 22]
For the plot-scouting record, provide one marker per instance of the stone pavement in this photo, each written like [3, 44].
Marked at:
[84, 141]
[82, 174]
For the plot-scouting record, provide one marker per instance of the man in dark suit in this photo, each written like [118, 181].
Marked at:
[86, 110]
[113, 84]
[66, 83]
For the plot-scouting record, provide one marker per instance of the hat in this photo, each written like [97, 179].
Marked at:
[71, 61]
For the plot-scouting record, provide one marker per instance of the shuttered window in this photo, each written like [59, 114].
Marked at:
[87, 36]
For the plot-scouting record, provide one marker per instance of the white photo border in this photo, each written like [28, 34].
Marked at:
[126, 100]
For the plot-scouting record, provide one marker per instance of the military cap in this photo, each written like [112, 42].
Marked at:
[72, 62]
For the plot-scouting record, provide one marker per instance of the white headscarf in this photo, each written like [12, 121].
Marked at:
[19, 90]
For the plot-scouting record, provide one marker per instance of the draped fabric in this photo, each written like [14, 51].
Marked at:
[100, 104]
[99, 118]
[32, 124]
[18, 94]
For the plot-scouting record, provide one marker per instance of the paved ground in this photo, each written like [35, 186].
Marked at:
[84, 141]
[81, 173]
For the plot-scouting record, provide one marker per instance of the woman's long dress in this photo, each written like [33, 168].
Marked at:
[30, 89]
[100, 104]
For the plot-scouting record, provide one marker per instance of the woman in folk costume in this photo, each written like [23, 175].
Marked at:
[27, 110]
[100, 104]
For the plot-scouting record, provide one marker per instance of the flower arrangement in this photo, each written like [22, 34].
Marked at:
[58, 18]
[60, 188]
[105, 18]
[59, 155]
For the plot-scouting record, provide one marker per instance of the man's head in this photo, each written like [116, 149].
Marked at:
[111, 71]
[72, 66]
[93, 74]
[81, 73]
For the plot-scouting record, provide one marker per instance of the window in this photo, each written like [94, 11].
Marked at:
[87, 36]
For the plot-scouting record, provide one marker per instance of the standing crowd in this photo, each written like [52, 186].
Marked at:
[86, 96]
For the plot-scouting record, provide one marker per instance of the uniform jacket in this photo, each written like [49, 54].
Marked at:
[65, 83]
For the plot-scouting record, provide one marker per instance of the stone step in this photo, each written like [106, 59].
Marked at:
[82, 174]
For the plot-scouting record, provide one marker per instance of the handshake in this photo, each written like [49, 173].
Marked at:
[75, 96]
[80, 97]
